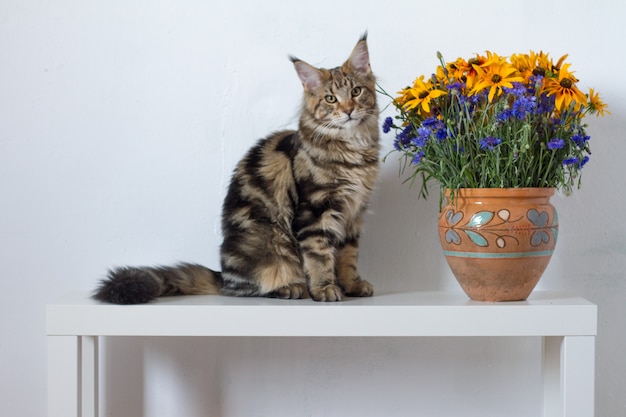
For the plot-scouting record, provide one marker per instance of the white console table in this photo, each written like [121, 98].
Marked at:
[567, 325]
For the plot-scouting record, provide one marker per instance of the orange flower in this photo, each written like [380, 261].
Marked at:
[421, 95]
[564, 89]
[495, 74]
[525, 64]
[596, 105]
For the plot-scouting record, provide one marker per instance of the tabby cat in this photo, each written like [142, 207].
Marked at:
[293, 212]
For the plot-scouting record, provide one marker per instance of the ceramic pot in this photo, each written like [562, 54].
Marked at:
[498, 241]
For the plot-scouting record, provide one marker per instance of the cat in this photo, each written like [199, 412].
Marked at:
[294, 209]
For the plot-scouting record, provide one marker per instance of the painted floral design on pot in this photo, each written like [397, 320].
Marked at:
[498, 242]
[499, 224]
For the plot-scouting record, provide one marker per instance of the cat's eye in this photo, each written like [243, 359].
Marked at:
[330, 99]
[356, 91]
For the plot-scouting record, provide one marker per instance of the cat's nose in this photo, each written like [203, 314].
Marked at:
[348, 111]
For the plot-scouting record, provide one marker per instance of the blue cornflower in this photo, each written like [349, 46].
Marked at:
[405, 135]
[418, 157]
[575, 161]
[441, 134]
[419, 141]
[403, 138]
[584, 161]
[523, 107]
[490, 142]
[546, 104]
[504, 115]
[455, 85]
[556, 143]
[430, 122]
[518, 89]
[387, 124]
[556, 121]
[424, 132]
[535, 81]
[455, 88]
[437, 126]
[472, 100]
[475, 99]
[580, 139]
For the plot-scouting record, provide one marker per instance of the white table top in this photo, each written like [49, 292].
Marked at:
[399, 314]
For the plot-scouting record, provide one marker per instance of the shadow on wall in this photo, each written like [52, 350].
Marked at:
[400, 250]
[158, 376]
[300, 376]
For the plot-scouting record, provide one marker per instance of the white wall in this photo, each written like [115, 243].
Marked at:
[120, 122]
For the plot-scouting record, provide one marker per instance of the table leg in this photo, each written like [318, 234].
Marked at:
[568, 376]
[72, 376]
[88, 350]
[63, 398]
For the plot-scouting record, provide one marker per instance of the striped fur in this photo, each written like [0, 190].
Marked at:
[294, 209]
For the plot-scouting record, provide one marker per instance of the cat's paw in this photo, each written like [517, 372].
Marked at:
[292, 291]
[361, 288]
[329, 292]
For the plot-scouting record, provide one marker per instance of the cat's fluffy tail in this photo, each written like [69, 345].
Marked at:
[137, 285]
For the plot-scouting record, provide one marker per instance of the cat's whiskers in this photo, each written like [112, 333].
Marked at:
[322, 131]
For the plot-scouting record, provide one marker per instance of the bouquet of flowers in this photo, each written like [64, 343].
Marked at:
[495, 122]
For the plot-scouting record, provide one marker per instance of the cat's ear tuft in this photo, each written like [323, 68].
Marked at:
[359, 60]
[310, 76]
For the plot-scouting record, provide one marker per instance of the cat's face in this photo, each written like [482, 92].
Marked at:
[343, 101]
[341, 98]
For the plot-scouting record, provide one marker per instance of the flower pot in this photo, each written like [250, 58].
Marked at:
[498, 241]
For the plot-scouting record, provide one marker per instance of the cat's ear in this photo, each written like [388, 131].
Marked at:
[359, 60]
[310, 76]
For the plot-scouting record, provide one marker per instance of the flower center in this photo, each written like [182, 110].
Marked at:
[539, 71]
[496, 78]
[423, 95]
[566, 83]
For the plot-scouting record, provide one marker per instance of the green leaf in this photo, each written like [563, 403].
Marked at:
[477, 238]
[480, 219]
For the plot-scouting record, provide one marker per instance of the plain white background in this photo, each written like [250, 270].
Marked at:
[120, 122]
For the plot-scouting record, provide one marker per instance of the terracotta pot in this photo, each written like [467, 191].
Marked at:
[498, 241]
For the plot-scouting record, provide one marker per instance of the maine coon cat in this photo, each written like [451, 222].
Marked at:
[294, 209]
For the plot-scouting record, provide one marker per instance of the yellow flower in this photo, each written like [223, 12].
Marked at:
[494, 74]
[471, 77]
[458, 69]
[557, 67]
[422, 93]
[596, 105]
[525, 64]
[440, 75]
[461, 71]
[564, 90]
[545, 66]
[544, 63]
[404, 96]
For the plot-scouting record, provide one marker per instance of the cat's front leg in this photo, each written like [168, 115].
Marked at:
[347, 273]
[319, 267]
